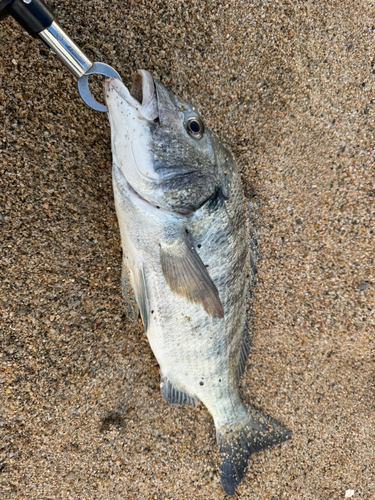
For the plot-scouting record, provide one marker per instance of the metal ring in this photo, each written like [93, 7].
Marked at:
[83, 84]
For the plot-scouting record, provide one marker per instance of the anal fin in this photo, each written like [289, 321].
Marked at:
[175, 396]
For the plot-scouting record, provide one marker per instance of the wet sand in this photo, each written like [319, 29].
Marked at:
[289, 87]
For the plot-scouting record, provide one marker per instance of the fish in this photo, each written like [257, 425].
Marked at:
[189, 260]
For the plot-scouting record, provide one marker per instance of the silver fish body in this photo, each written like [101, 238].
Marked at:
[186, 248]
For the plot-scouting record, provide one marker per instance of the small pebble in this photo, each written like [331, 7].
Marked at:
[363, 286]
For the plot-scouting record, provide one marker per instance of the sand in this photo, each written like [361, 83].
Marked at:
[289, 87]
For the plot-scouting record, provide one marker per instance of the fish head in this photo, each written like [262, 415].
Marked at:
[161, 145]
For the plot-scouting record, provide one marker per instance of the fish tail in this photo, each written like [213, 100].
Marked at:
[256, 432]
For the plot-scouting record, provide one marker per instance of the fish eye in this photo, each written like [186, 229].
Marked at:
[195, 127]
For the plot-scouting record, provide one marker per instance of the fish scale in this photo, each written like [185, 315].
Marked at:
[186, 245]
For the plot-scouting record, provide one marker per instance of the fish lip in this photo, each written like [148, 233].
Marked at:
[143, 87]
[117, 85]
[142, 94]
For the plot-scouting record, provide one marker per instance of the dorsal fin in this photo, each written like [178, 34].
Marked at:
[186, 275]
[244, 353]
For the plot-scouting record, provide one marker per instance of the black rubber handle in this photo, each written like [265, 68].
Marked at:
[33, 15]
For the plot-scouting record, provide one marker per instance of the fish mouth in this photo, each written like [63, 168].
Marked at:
[141, 96]
[132, 113]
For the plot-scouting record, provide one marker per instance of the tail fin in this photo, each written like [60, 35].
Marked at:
[255, 433]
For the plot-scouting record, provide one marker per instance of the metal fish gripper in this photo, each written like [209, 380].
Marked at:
[38, 20]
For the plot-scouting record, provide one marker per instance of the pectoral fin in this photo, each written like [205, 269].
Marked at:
[187, 276]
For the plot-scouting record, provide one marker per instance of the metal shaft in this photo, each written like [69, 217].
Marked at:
[66, 50]
[37, 19]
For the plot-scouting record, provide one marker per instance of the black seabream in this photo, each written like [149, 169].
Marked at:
[187, 260]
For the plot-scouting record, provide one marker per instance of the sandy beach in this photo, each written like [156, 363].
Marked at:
[290, 88]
